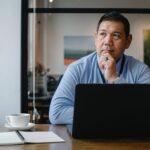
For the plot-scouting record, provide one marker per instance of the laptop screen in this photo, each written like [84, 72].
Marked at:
[111, 111]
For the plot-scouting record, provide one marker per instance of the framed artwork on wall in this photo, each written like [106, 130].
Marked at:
[76, 47]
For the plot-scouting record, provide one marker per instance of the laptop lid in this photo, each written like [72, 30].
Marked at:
[111, 111]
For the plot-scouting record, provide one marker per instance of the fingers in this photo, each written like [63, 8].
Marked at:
[107, 63]
[105, 58]
[104, 62]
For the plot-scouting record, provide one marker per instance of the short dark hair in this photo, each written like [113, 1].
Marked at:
[115, 16]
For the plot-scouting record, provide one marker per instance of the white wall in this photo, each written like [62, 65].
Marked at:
[10, 26]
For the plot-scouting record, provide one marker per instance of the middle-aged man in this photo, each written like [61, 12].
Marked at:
[108, 64]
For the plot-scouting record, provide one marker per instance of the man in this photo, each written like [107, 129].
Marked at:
[108, 64]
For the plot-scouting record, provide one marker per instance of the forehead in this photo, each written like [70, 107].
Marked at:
[112, 26]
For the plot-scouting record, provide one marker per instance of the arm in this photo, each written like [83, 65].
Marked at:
[61, 108]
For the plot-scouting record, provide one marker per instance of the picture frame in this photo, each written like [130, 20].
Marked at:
[76, 47]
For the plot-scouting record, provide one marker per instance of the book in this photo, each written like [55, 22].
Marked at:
[22, 137]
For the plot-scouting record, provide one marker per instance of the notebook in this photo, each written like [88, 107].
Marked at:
[23, 137]
[111, 111]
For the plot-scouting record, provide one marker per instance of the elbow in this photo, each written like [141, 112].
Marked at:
[53, 118]
[61, 117]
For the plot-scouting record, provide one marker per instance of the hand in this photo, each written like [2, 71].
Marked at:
[107, 65]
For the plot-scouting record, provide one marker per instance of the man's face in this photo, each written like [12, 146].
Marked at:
[111, 39]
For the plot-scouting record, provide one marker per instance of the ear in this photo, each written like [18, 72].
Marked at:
[128, 42]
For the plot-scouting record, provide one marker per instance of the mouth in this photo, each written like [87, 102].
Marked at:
[110, 51]
[105, 51]
[108, 48]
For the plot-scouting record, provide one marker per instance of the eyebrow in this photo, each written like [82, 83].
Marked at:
[112, 32]
[102, 30]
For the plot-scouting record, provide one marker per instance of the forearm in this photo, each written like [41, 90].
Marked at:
[118, 80]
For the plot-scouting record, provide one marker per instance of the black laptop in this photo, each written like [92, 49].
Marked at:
[111, 111]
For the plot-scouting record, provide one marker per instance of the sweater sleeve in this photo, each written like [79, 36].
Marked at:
[62, 104]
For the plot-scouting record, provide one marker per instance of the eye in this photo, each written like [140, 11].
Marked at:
[116, 35]
[102, 34]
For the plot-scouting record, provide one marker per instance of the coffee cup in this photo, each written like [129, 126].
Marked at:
[18, 120]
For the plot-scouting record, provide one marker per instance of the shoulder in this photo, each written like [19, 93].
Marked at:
[86, 60]
[82, 66]
[135, 63]
[79, 69]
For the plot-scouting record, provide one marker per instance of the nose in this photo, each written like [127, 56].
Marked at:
[108, 42]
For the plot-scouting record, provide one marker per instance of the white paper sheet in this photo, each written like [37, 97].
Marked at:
[40, 137]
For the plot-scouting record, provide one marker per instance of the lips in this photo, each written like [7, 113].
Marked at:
[108, 49]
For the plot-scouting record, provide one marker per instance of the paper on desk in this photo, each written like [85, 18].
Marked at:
[40, 137]
[7, 138]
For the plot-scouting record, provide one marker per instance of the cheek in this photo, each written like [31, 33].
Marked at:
[120, 46]
[98, 48]
[119, 51]
[98, 44]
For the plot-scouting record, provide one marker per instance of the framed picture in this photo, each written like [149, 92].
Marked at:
[76, 47]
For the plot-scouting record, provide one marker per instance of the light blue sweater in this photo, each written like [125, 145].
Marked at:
[86, 70]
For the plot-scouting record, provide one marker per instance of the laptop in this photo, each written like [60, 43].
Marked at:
[111, 111]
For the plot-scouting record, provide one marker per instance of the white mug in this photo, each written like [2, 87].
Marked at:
[18, 120]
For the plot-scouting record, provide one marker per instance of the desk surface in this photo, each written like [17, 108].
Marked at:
[76, 144]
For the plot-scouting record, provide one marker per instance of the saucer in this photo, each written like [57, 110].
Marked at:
[30, 126]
